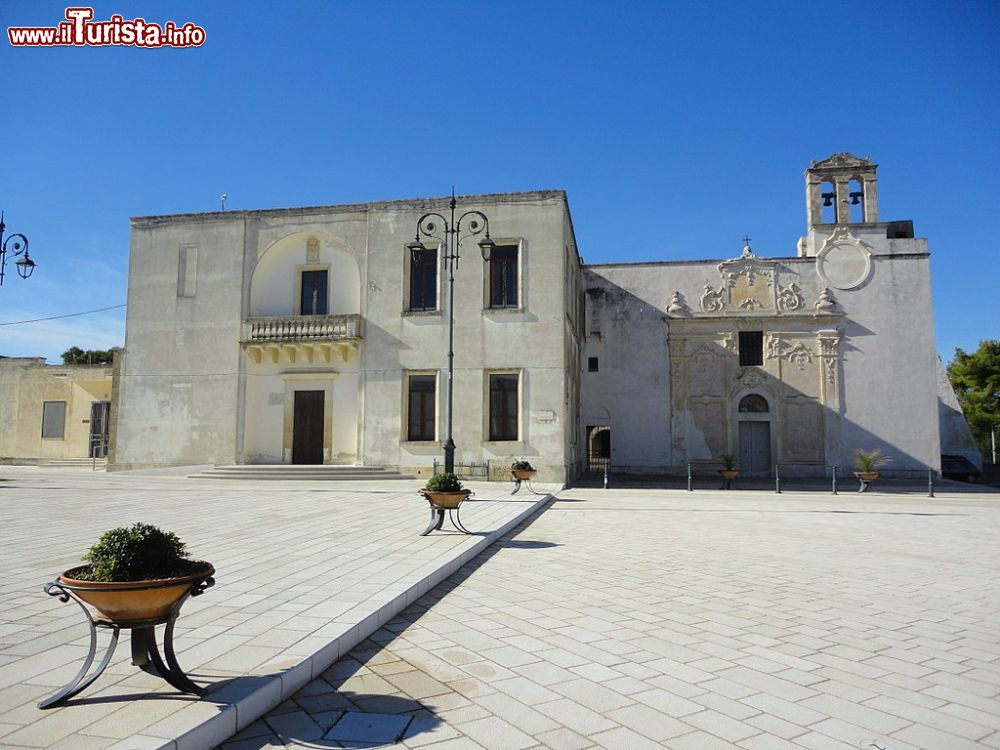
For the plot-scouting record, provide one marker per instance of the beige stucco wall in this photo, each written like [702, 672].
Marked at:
[26, 384]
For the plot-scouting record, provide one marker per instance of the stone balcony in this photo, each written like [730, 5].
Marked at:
[302, 338]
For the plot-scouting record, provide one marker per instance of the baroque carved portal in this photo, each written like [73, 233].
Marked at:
[749, 285]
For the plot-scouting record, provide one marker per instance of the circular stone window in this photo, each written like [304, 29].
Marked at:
[844, 263]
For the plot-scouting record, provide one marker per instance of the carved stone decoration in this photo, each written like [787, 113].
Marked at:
[729, 342]
[800, 356]
[676, 349]
[789, 298]
[678, 305]
[705, 373]
[312, 250]
[752, 378]
[826, 303]
[829, 351]
[842, 159]
[844, 262]
[712, 299]
[749, 281]
[775, 347]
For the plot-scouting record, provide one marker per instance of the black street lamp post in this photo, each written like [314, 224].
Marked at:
[19, 249]
[451, 240]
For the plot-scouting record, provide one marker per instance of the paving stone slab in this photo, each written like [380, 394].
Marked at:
[306, 572]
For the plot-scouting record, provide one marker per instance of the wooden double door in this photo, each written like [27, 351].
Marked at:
[308, 427]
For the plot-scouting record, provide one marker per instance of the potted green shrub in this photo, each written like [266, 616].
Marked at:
[445, 491]
[522, 470]
[729, 470]
[868, 463]
[136, 573]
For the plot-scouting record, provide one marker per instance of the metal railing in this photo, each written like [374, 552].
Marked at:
[302, 328]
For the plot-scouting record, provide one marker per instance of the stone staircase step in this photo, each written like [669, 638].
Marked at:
[287, 472]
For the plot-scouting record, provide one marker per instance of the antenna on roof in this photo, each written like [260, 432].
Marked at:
[223, 198]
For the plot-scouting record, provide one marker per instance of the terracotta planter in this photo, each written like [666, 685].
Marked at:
[729, 473]
[523, 474]
[134, 601]
[446, 500]
[867, 476]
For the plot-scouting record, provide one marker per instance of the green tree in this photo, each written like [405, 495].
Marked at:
[976, 380]
[77, 356]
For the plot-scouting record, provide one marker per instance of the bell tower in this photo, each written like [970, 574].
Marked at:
[841, 189]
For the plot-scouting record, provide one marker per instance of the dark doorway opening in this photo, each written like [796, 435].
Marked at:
[100, 428]
[598, 449]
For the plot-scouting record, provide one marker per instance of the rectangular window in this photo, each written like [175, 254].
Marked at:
[53, 419]
[423, 281]
[503, 276]
[314, 293]
[751, 348]
[421, 415]
[503, 407]
[592, 364]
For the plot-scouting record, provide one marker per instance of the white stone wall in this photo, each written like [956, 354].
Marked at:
[192, 394]
[883, 393]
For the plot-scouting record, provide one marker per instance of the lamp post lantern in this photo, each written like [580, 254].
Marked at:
[451, 232]
[17, 244]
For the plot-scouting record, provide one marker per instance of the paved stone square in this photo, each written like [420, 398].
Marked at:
[641, 618]
[305, 570]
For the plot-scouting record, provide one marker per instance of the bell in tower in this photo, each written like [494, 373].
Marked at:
[842, 189]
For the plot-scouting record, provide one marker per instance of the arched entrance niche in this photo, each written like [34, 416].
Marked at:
[754, 417]
[302, 344]
[288, 277]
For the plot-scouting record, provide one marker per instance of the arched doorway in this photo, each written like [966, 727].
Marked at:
[598, 448]
[754, 420]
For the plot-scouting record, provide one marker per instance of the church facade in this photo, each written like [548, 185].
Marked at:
[315, 335]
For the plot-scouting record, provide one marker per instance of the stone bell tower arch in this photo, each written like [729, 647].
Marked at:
[841, 181]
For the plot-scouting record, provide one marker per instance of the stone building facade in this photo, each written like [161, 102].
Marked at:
[53, 412]
[312, 335]
[790, 362]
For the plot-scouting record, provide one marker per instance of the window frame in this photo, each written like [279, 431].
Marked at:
[751, 355]
[518, 277]
[297, 300]
[408, 377]
[411, 268]
[489, 435]
[62, 424]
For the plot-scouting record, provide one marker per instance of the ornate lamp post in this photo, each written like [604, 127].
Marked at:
[472, 223]
[18, 249]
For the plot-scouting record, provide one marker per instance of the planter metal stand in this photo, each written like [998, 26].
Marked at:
[438, 509]
[523, 476]
[145, 651]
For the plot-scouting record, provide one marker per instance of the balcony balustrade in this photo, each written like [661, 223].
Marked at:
[302, 338]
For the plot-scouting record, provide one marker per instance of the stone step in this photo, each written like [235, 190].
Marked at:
[286, 472]
[55, 463]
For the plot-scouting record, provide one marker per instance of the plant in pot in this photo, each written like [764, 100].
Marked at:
[522, 469]
[868, 463]
[136, 573]
[729, 470]
[136, 577]
[445, 491]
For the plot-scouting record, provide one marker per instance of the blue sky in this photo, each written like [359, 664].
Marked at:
[675, 128]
